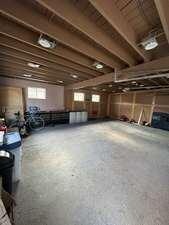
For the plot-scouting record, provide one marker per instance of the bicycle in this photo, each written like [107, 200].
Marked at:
[31, 122]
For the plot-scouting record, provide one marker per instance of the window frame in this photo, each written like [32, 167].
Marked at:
[78, 100]
[37, 91]
[96, 95]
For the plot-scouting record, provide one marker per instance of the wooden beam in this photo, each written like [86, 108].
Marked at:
[153, 66]
[19, 73]
[6, 64]
[20, 33]
[93, 82]
[112, 14]
[69, 13]
[31, 58]
[163, 9]
[26, 15]
[41, 80]
[23, 47]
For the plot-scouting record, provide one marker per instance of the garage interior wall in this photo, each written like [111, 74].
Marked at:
[131, 104]
[94, 109]
[54, 94]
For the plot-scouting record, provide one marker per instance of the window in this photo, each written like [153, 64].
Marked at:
[95, 98]
[36, 93]
[79, 96]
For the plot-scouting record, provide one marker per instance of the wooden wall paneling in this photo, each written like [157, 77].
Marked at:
[133, 105]
[11, 100]
[152, 107]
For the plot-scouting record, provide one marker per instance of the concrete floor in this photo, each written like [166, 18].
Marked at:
[108, 173]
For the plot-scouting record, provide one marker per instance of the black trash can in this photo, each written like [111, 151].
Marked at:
[6, 165]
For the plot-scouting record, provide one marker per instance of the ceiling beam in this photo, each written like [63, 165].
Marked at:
[161, 64]
[69, 13]
[26, 15]
[20, 71]
[163, 10]
[93, 82]
[14, 76]
[23, 47]
[31, 58]
[18, 32]
[112, 14]
[45, 72]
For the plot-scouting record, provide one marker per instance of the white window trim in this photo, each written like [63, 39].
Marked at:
[77, 98]
[39, 93]
[95, 98]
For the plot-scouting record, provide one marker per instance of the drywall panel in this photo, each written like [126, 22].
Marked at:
[11, 101]
[54, 93]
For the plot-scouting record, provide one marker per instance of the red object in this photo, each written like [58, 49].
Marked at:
[3, 128]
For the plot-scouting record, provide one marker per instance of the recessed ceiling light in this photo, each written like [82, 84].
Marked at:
[134, 82]
[60, 81]
[149, 43]
[27, 75]
[34, 65]
[98, 65]
[46, 42]
[74, 76]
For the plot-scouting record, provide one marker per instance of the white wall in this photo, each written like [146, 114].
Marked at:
[54, 93]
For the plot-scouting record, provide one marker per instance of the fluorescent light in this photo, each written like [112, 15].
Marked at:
[46, 42]
[33, 65]
[74, 76]
[134, 82]
[27, 75]
[98, 65]
[60, 81]
[150, 43]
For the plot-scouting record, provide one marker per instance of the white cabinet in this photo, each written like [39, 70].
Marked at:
[78, 117]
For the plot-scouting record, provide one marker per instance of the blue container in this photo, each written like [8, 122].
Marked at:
[160, 120]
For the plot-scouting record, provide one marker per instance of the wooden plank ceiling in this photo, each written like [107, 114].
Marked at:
[85, 31]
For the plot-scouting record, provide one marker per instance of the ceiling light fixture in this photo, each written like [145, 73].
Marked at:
[74, 76]
[94, 88]
[103, 89]
[27, 75]
[60, 81]
[110, 85]
[46, 42]
[33, 65]
[126, 89]
[134, 82]
[149, 43]
[141, 85]
[98, 65]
